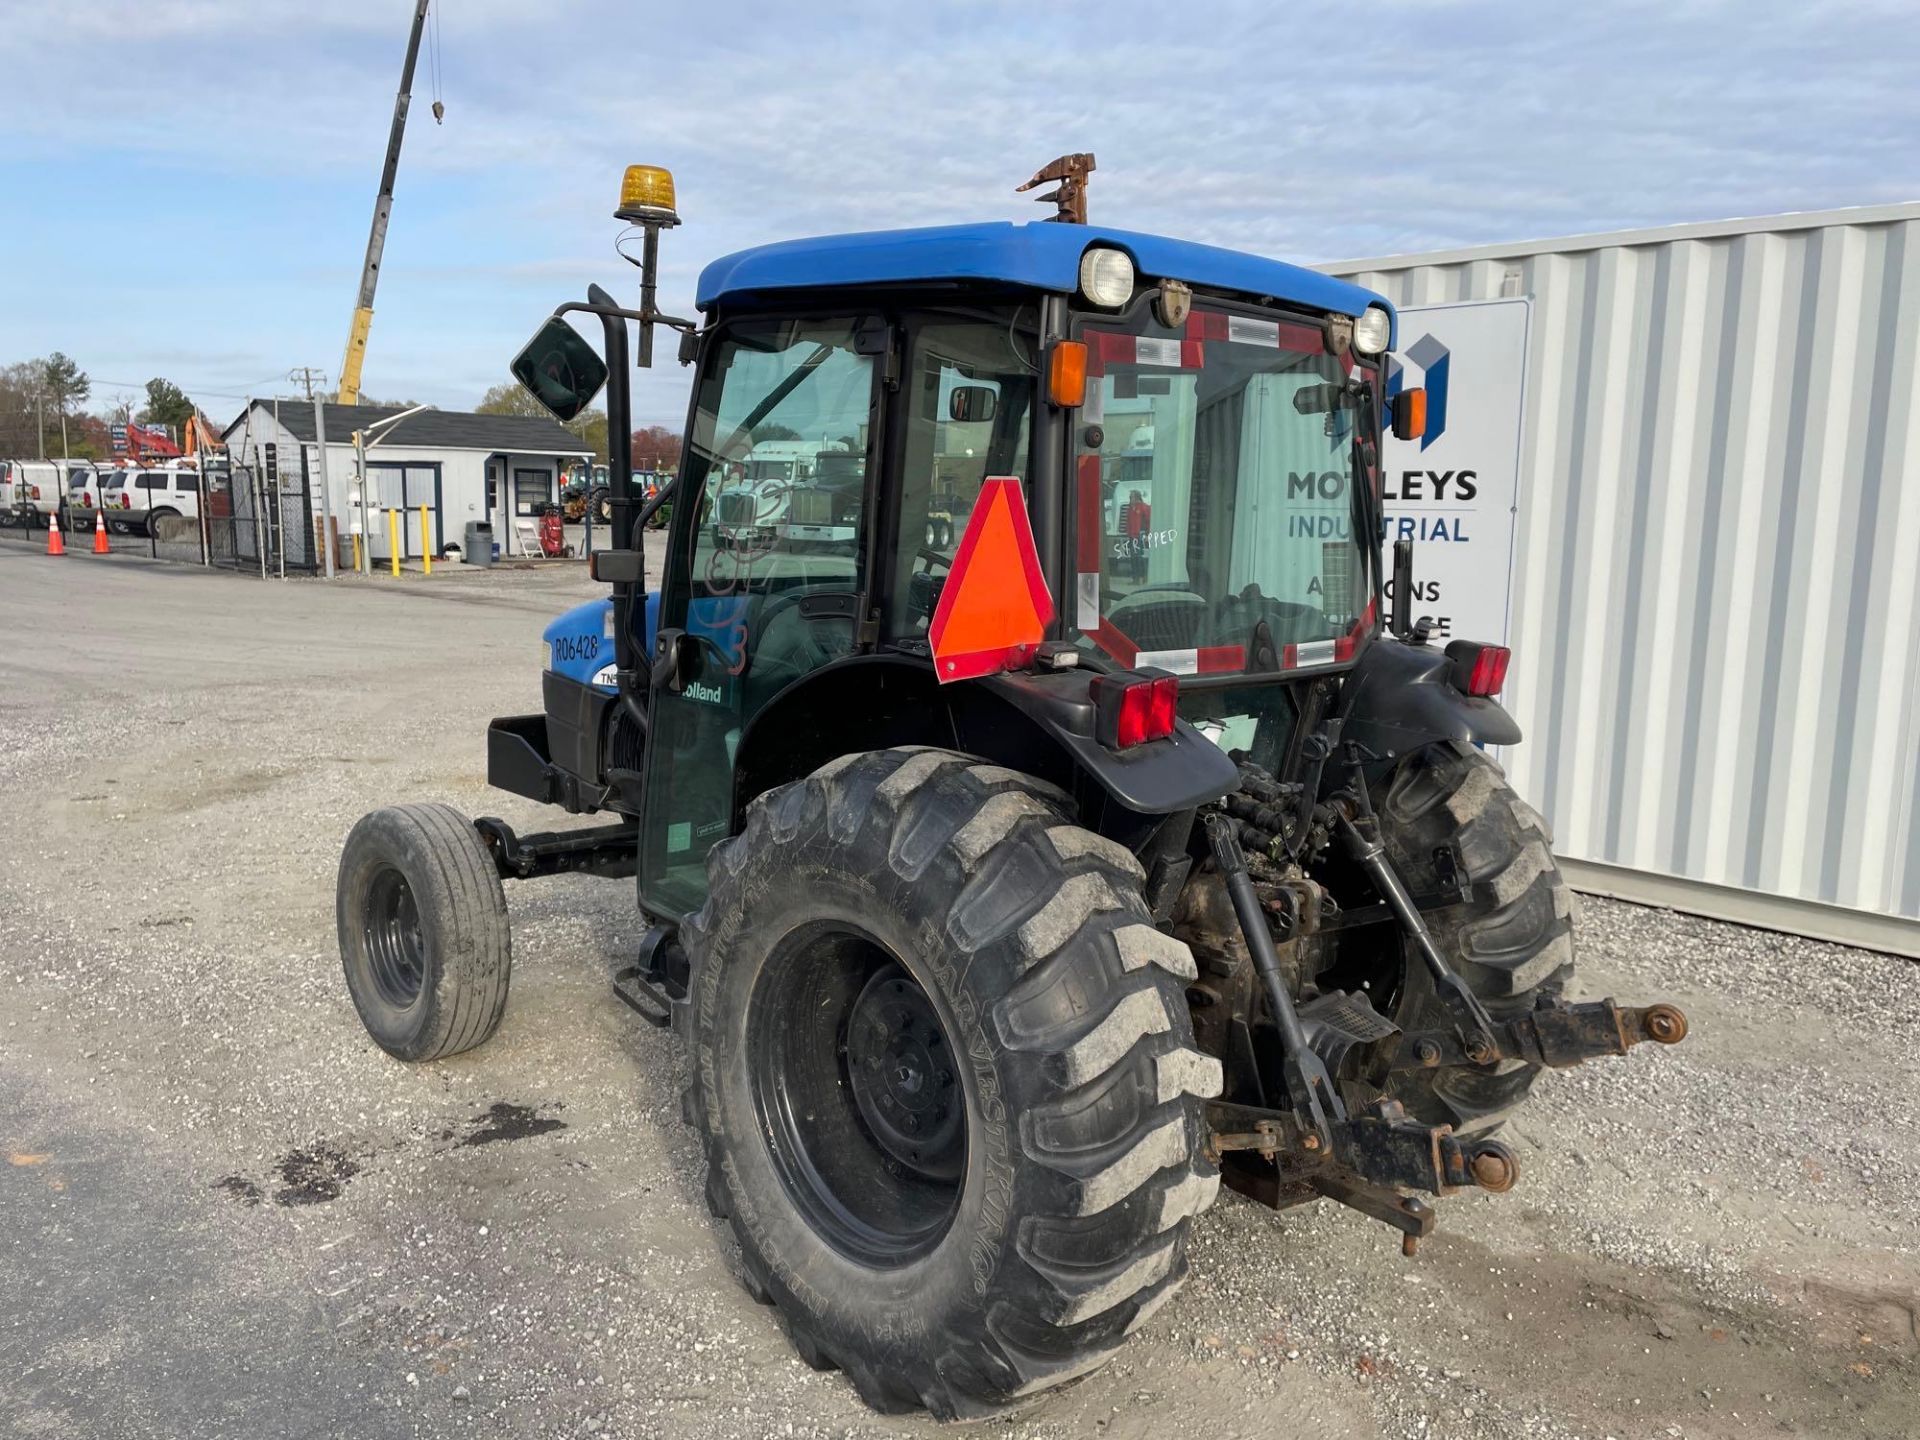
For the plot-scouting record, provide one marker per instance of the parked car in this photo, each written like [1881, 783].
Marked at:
[37, 489]
[136, 499]
[83, 497]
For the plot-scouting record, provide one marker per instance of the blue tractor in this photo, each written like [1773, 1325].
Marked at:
[1035, 816]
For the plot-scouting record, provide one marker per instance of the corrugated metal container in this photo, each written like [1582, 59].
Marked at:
[1716, 588]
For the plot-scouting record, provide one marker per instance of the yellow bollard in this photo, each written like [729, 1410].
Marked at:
[426, 542]
[393, 541]
[356, 552]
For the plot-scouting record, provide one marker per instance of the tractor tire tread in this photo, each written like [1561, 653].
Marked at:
[1104, 1097]
[474, 953]
[1513, 943]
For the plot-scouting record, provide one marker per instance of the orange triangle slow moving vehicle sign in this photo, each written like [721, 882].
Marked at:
[995, 608]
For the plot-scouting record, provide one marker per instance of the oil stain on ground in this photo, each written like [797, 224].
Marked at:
[314, 1176]
[319, 1173]
[503, 1121]
[246, 1191]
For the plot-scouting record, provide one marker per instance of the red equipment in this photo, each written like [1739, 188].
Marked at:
[553, 534]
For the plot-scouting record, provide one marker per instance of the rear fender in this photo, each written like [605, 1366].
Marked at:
[1041, 725]
[1400, 699]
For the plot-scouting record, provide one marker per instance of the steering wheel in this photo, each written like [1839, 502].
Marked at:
[1233, 619]
[933, 557]
[806, 652]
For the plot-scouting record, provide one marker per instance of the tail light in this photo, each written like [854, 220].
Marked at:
[1478, 669]
[125, 503]
[1131, 709]
[86, 499]
[36, 491]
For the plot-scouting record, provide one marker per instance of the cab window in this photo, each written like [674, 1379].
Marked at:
[774, 536]
[971, 381]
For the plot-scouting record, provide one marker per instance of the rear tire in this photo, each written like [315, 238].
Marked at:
[1513, 944]
[1020, 1254]
[424, 938]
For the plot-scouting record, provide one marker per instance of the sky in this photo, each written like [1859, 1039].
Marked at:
[186, 185]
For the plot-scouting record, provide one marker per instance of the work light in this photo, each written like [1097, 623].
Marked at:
[646, 196]
[1372, 330]
[1106, 277]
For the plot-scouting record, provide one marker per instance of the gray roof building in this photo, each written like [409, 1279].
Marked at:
[434, 429]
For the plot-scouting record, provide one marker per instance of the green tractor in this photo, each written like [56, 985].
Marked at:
[1066, 828]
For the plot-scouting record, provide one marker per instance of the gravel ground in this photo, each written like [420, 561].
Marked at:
[225, 1212]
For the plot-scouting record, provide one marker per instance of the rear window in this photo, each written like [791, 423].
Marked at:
[112, 482]
[152, 482]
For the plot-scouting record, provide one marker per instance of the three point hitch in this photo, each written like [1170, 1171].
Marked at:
[1367, 1159]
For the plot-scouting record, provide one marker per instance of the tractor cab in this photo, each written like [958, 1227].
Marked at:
[1035, 816]
[1194, 434]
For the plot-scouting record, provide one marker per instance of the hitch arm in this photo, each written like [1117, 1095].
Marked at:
[1371, 855]
[1316, 1101]
[1374, 1156]
[1556, 1034]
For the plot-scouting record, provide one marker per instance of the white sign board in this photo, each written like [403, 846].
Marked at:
[1456, 491]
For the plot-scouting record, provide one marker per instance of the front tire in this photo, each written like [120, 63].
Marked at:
[1512, 944]
[424, 938]
[948, 918]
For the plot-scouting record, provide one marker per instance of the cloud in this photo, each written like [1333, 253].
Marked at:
[1307, 134]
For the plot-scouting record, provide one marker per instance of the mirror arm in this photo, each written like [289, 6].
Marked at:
[672, 322]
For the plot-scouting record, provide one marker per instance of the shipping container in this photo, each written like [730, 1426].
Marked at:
[1716, 582]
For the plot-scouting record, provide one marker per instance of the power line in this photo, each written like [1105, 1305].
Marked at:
[308, 376]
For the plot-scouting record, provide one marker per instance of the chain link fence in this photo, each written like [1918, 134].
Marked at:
[238, 519]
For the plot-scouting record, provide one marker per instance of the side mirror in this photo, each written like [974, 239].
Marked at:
[1323, 398]
[1410, 414]
[972, 402]
[677, 659]
[560, 369]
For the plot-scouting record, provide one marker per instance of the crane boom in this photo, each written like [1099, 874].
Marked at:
[382, 209]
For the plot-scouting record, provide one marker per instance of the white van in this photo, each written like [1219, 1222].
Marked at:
[135, 499]
[37, 489]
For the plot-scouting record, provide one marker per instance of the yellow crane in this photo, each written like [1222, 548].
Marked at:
[382, 209]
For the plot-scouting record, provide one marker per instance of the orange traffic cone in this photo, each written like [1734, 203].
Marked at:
[55, 545]
[100, 533]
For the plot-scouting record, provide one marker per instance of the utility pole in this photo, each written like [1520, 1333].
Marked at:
[307, 376]
[40, 420]
[326, 485]
[382, 210]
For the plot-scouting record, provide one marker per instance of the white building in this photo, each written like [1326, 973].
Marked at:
[497, 469]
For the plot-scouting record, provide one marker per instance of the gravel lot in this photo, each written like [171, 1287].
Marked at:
[225, 1212]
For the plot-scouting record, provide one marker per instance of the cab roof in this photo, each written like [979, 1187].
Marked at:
[1041, 254]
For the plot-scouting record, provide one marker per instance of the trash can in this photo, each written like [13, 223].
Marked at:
[479, 546]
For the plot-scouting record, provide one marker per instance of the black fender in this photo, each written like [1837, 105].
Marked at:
[1040, 724]
[1400, 698]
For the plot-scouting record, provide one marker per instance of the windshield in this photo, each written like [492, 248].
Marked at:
[1214, 495]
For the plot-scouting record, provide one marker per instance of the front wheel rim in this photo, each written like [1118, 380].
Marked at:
[396, 948]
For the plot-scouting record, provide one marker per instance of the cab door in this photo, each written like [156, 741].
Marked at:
[764, 603]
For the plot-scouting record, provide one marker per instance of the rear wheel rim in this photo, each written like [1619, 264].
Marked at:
[396, 950]
[855, 1083]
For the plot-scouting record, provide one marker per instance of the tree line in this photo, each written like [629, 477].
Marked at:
[653, 447]
[44, 410]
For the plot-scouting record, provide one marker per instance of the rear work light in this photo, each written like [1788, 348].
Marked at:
[1134, 707]
[1478, 669]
